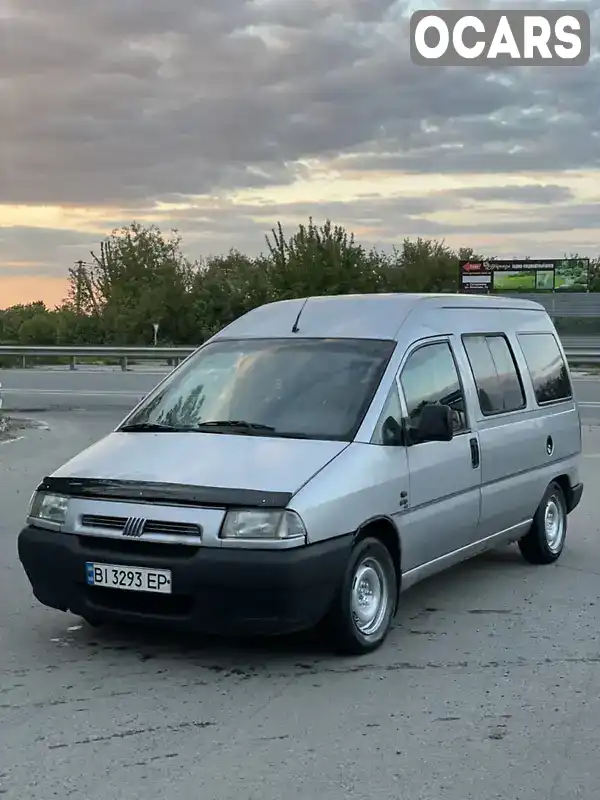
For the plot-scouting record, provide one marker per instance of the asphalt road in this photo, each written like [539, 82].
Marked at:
[41, 390]
[485, 689]
[53, 389]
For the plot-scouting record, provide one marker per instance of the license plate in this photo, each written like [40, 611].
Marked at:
[134, 579]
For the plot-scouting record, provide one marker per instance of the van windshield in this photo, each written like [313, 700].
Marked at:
[300, 388]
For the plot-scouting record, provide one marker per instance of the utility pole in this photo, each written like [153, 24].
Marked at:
[79, 297]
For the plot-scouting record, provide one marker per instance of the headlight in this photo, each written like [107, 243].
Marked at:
[49, 507]
[253, 524]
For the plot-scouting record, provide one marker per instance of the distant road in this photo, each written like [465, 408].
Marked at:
[47, 389]
[39, 390]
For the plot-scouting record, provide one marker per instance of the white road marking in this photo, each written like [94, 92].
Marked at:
[75, 392]
[79, 371]
[12, 441]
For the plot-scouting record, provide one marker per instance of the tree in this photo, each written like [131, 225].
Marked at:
[14, 317]
[138, 278]
[425, 266]
[320, 261]
[40, 329]
[225, 287]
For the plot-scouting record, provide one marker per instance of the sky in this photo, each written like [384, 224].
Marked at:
[221, 117]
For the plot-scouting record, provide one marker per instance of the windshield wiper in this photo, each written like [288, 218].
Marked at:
[153, 427]
[236, 424]
[215, 426]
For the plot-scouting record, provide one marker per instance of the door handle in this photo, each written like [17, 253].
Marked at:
[474, 452]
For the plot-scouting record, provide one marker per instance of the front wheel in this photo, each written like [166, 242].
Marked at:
[545, 540]
[362, 612]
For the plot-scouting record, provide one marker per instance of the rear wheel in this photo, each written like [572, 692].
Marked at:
[545, 540]
[361, 614]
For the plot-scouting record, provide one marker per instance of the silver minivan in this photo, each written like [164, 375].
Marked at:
[311, 461]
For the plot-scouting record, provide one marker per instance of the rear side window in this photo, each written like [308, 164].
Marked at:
[547, 367]
[495, 372]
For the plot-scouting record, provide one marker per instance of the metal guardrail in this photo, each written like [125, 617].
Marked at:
[97, 352]
[580, 350]
[582, 358]
[581, 342]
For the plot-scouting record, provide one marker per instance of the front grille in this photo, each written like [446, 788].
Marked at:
[107, 523]
[173, 528]
[155, 526]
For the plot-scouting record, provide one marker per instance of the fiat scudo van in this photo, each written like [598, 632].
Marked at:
[310, 462]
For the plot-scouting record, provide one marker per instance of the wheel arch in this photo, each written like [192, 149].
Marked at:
[572, 492]
[384, 529]
[565, 484]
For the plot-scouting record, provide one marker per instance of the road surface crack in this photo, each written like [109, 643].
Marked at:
[135, 732]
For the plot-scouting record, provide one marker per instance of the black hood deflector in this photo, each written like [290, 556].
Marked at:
[165, 493]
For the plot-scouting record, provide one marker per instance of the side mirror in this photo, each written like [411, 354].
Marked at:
[392, 433]
[434, 424]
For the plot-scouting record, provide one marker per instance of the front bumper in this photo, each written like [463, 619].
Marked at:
[217, 591]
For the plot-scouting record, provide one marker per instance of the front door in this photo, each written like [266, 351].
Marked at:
[445, 477]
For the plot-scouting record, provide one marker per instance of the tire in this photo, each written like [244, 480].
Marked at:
[546, 538]
[371, 565]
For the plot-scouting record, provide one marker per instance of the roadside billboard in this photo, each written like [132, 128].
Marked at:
[512, 275]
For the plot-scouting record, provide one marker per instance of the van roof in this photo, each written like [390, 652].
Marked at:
[359, 316]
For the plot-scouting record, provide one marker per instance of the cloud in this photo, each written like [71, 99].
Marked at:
[113, 106]
[527, 193]
[467, 216]
[41, 251]
[134, 99]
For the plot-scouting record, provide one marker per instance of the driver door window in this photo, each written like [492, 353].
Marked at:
[430, 376]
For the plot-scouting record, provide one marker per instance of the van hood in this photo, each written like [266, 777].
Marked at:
[203, 460]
